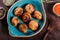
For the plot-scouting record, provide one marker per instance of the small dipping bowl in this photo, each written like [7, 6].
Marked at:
[8, 2]
[2, 13]
[56, 9]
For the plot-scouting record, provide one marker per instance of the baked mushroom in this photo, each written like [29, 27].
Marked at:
[26, 17]
[33, 25]
[23, 28]
[18, 11]
[37, 15]
[15, 21]
[30, 8]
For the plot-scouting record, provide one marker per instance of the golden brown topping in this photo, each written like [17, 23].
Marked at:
[18, 11]
[15, 21]
[33, 25]
[23, 28]
[26, 17]
[37, 15]
[30, 8]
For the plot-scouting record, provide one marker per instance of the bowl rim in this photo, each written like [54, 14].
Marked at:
[4, 13]
[54, 11]
[34, 33]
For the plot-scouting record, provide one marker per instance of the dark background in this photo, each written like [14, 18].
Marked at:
[53, 22]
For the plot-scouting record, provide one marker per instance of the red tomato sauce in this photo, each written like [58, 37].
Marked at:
[57, 9]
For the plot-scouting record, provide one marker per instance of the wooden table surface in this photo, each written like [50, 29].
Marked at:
[52, 20]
